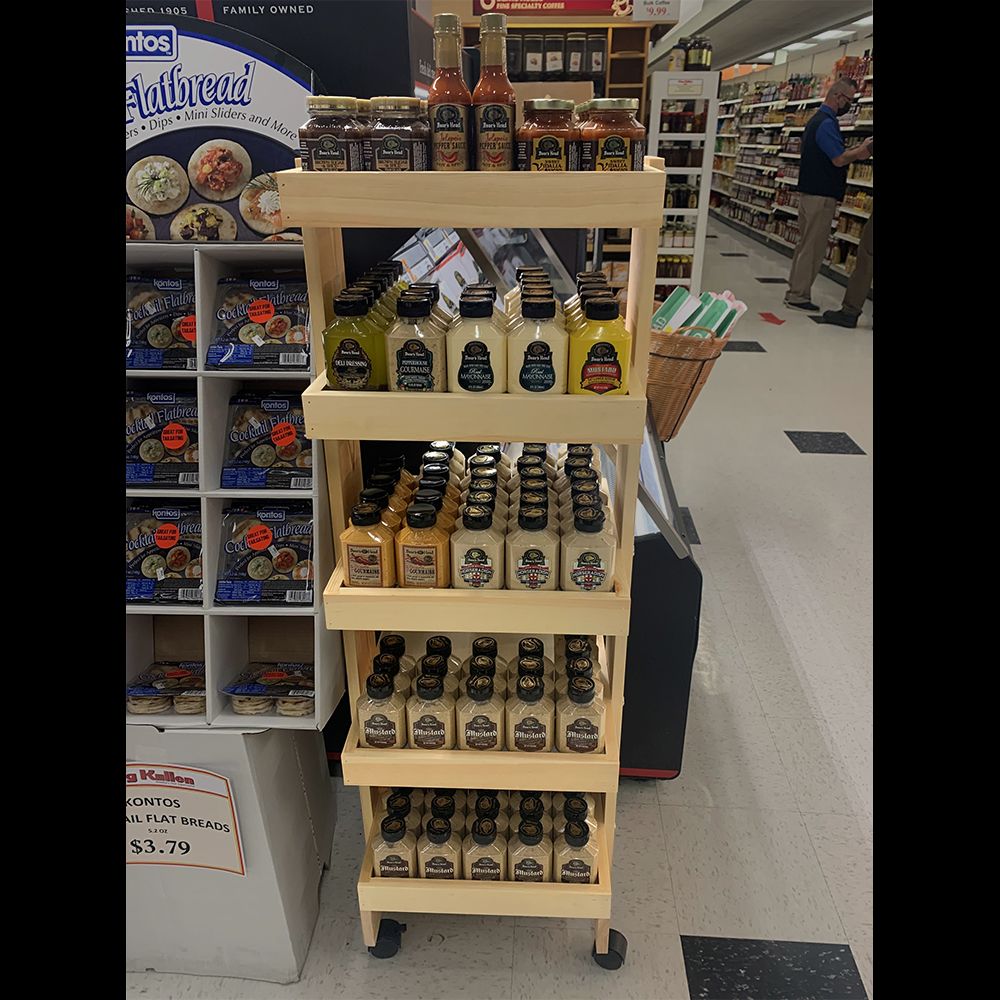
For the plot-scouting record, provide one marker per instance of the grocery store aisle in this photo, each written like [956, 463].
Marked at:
[750, 874]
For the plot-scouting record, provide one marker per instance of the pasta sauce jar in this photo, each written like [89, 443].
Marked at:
[612, 137]
[548, 139]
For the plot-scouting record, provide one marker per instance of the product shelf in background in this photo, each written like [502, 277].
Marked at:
[857, 183]
[847, 238]
[682, 211]
[682, 135]
[850, 210]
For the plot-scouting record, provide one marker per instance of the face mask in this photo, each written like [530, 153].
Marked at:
[840, 112]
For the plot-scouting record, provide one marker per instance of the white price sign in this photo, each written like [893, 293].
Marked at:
[181, 816]
[656, 10]
[686, 87]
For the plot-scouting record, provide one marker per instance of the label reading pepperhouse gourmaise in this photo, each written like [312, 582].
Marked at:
[612, 152]
[475, 372]
[582, 736]
[428, 733]
[364, 566]
[485, 870]
[439, 867]
[589, 572]
[351, 367]
[602, 371]
[532, 569]
[528, 870]
[450, 136]
[380, 731]
[393, 866]
[575, 871]
[415, 366]
[481, 732]
[537, 374]
[476, 568]
[529, 734]
[420, 565]
[495, 136]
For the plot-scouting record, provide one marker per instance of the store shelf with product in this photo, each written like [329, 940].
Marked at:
[325, 204]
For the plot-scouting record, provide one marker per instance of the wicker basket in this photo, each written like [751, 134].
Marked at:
[679, 366]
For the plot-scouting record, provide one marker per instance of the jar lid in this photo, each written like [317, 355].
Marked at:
[534, 498]
[483, 475]
[375, 495]
[593, 290]
[529, 462]
[482, 286]
[484, 830]
[490, 449]
[615, 104]
[581, 499]
[578, 646]
[534, 484]
[532, 807]
[445, 446]
[531, 645]
[323, 102]
[366, 291]
[393, 829]
[417, 306]
[435, 457]
[482, 498]
[432, 287]
[450, 23]
[477, 517]
[575, 807]
[365, 514]
[533, 518]
[584, 488]
[535, 448]
[480, 687]
[411, 104]
[530, 689]
[587, 475]
[384, 480]
[530, 831]
[538, 308]
[577, 462]
[479, 461]
[581, 690]
[477, 308]
[519, 272]
[580, 666]
[483, 663]
[350, 305]
[439, 644]
[548, 103]
[531, 666]
[436, 470]
[602, 308]
[492, 22]
[539, 37]
[438, 830]
[487, 807]
[392, 263]
[430, 688]
[379, 686]
[393, 643]
[398, 804]
[443, 806]
[386, 663]
[485, 645]
[421, 515]
[589, 519]
[433, 665]
[428, 496]
[576, 450]
[576, 833]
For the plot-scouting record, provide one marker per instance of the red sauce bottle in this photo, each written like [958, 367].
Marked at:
[493, 99]
[449, 101]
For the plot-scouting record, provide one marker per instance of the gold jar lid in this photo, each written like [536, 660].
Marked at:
[411, 104]
[492, 22]
[322, 102]
[364, 106]
[614, 104]
[447, 23]
[548, 104]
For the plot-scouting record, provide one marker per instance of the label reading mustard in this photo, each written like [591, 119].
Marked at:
[439, 867]
[529, 870]
[495, 136]
[575, 871]
[380, 731]
[582, 736]
[602, 371]
[481, 732]
[530, 734]
[485, 870]
[449, 136]
[429, 733]
[393, 866]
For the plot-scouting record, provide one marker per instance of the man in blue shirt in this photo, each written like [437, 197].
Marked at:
[822, 183]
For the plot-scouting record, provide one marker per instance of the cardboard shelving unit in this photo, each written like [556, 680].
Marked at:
[325, 203]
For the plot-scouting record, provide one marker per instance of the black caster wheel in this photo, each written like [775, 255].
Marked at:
[617, 950]
[390, 934]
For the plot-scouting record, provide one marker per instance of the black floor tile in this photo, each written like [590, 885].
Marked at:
[723, 253]
[824, 443]
[742, 968]
[746, 346]
[711, 236]
[688, 530]
[773, 281]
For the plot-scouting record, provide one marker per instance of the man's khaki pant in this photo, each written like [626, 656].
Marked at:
[860, 281]
[815, 216]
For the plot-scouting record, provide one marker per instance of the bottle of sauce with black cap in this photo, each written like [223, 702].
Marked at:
[430, 715]
[439, 460]
[422, 556]
[531, 645]
[494, 99]
[533, 666]
[537, 351]
[479, 464]
[477, 551]
[528, 467]
[489, 479]
[442, 646]
[415, 349]
[576, 807]
[577, 502]
[388, 518]
[439, 850]
[399, 496]
[569, 647]
[394, 851]
[455, 458]
[515, 800]
[600, 352]
[486, 666]
[440, 317]
[527, 500]
[485, 645]
[444, 806]
[477, 350]
[433, 665]
[575, 855]
[449, 101]
[530, 717]
[485, 852]
[588, 553]
[402, 804]
[434, 492]
[531, 483]
[492, 449]
[581, 666]
[386, 663]
[580, 718]
[397, 465]
[480, 716]
[366, 549]
[354, 347]
[532, 807]
[529, 854]
[381, 714]
[456, 793]
[533, 552]
[485, 496]
[392, 642]
[491, 806]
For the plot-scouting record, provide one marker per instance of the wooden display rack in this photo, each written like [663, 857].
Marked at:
[324, 203]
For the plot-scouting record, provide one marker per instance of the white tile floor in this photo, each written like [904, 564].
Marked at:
[768, 831]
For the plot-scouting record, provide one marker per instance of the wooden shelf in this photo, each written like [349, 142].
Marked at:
[399, 416]
[462, 200]
[405, 609]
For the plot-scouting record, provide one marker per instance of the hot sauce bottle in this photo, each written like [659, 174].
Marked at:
[494, 98]
[449, 101]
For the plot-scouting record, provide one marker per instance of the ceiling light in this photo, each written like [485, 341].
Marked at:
[764, 57]
[799, 46]
[865, 22]
[829, 36]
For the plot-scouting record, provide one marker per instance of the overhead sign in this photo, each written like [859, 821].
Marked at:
[656, 10]
[554, 8]
[182, 817]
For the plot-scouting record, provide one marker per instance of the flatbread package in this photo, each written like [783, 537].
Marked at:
[282, 688]
[161, 439]
[261, 323]
[160, 325]
[267, 554]
[168, 686]
[266, 446]
[163, 552]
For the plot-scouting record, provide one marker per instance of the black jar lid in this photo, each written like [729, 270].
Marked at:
[435, 483]
[428, 496]
[364, 289]
[480, 461]
[602, 308]
[439, 644]
[398, 804]
[526, 462]
[429, 286]
[485, 645]
[430, 688]
[375, 495]
[445, 446]
[534, 498]
[538, 308]
[490, 448]
[482, 498]
[530, 689]
[484, 473]
[575, 807]
[365, 514]
[588, 519]
[477, 517]
[392, 642]
[438, 830]
[576, 462]
[436, 470]
[379, 686]
[587, 475]
[579, 666]
[421, 515]
[479, 687]
[393, 829]
[435, 455]
[482, 663]
[576, 833]
[581, 690]
[487, 806]
[533, 483]
[530, 832]
[484, 830]
[384, 480]
[532, 807]
[535, 448]
[533, 518]
[386, 663]
[350, 305]
[475, 308]
[413, 306]
[443, 805]
[531, 666]
[531, 645]
[434, 665]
